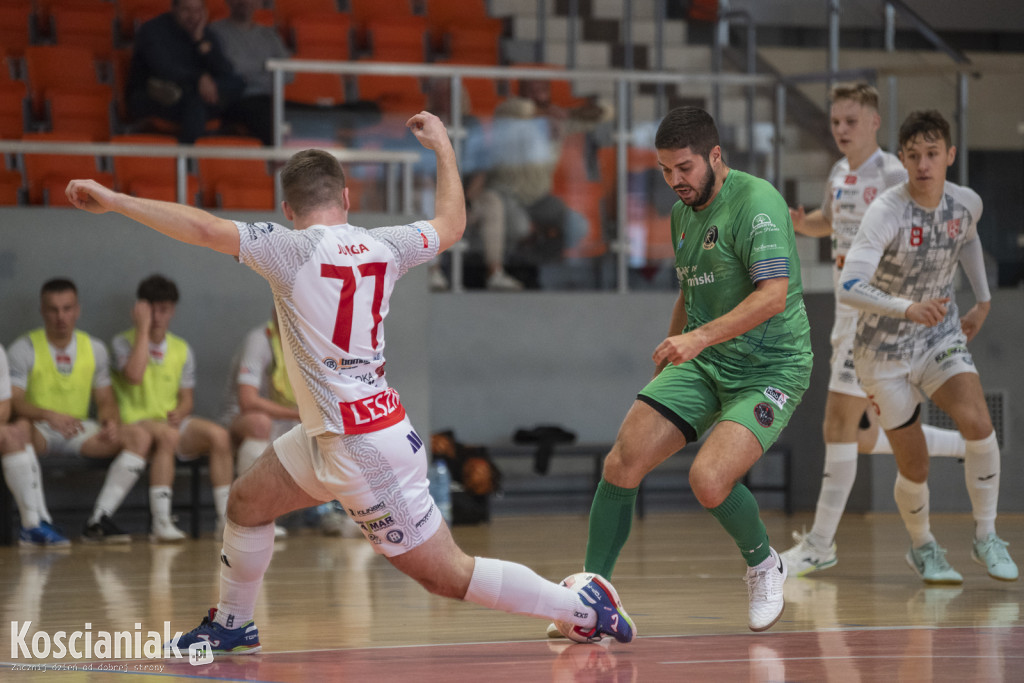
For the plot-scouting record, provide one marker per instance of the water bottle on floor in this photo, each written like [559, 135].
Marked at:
[441, 487]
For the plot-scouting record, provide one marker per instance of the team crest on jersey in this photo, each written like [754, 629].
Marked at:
[711, 238]
[764, 414]
[776, 396]
[953, 228]
[869, 194]
[850, 179]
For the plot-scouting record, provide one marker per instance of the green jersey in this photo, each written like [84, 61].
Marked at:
[744, 236]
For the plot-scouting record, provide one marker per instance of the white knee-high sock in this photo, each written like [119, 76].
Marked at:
[121, 477]
[220, 501]
[248, 452]
[244, 559]
[21, 472]
[160, 498]
[511, 587]
[981, 472]
[836, 484]
[942, 443]
[912, 502]
[37, 488]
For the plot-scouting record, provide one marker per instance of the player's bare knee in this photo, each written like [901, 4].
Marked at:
[708, 488]
[623, 468]
[136, 439]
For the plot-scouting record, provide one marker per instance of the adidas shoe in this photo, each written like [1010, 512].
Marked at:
[929, 561]
[244, 640]
[805, 557]
[764, 590]
[991, 552]
[44, 535]
[104, 531]
[612, 620]
[165, 531]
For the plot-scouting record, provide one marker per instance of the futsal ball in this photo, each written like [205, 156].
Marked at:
[574, 633]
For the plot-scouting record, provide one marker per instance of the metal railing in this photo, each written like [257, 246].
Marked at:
[398, 164]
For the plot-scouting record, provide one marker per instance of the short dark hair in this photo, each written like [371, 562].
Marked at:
[687, 127]
[860, 92]
[927, 123]
[157, 289]
[312, 178]
[58, 284]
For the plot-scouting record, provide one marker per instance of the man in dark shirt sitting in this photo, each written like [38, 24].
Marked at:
[179, 72]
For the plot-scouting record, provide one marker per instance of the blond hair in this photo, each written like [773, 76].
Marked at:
[862, 93]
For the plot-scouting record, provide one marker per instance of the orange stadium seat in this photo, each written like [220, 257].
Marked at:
[10, 187]
[321, 90]
[286, 10]
[59, 67]
[240, 177]
[46, 175]
[322, 36]
[473, 44]
[87, 112]
[150, 177]
[398, 39]
[15, 27]
[89, 25]
[12, 108]
[399, 94]
[132, 13]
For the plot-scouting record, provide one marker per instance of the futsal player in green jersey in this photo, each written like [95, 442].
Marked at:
[738, 353]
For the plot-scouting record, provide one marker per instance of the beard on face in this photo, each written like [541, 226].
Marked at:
[703, 193]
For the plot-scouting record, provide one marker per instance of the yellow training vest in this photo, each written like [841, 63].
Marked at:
[49, 389]
[280, 388]
[158, 393]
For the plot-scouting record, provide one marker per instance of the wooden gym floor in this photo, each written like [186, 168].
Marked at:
[331, 610]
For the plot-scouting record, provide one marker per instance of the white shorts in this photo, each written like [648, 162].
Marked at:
[380, 478]
[896, 387]
[843, 377]
[58, 444]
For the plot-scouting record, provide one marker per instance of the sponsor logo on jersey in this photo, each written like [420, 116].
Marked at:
[331, 363]
[373, 413]
[368, 511]
[352, 249]
[423, 520]
[869, 194]
[256, 229]
[395, 536]
[679, 244]
[765, 247]
[764, 414]
[776, 396]
[702, 279]
[850, 179]
[953, 228]
[423, 236]
[763, 221]
[711, 237]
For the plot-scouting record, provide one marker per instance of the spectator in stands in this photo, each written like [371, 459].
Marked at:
[527, 142]
[154, 380]
[21, 471]
[55, 372]
[261, 407]
[248, 46]
[179, 71]
[486, 226]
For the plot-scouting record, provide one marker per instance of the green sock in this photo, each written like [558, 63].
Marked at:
[611, 517]
[739, 516]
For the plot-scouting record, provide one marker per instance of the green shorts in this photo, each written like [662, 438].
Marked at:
[698, 393]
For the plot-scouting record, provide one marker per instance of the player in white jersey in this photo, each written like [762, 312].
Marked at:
[855, 181]
[911, 339]
[332, 283]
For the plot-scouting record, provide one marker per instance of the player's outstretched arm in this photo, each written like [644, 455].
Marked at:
[450, 201]
[813, 224]
[183, 223]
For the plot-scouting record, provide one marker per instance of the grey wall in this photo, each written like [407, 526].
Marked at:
[483, 364]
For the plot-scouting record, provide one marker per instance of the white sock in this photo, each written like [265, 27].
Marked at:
[943, 443]
[21, 472]
[248, 452]
[981, 472]
[514, 588]
[37, 475]
[244, 559]
[836, 484]
[220, 500]
[912, 502]
[160, 503]
[121, 477]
